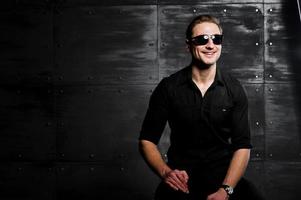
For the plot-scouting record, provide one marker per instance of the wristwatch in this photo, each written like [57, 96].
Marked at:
[228, 189]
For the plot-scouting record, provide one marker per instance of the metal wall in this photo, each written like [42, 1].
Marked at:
[76, 76]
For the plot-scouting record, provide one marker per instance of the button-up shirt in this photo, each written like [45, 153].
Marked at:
[204, 128]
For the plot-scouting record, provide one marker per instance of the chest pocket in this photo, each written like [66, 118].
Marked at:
[221, 114]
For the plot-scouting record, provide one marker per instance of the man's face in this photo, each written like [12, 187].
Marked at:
[209, 53]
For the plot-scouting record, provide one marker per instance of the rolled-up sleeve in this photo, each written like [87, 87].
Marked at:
[241, 138]
[157, 114]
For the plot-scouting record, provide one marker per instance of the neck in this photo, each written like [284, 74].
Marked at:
[203, 76]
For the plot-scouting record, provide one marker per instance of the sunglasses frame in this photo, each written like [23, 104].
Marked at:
[217, 39]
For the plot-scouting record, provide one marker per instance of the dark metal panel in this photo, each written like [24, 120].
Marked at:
[100, 122]
[255, 174]
[255, 96]
[283, 139]
[26, 123]
[26, 43]
[107, 2]
[243, 30]
[197, 2]
[283, 42]
[283, 180]
[109, 181]
[106, 44]
[27, 181]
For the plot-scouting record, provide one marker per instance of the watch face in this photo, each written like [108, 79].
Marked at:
[229, 190]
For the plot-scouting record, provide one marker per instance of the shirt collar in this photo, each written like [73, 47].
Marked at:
[187, 76]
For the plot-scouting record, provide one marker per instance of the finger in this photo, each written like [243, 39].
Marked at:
[171, 185]
[178, 183]
[185, 175]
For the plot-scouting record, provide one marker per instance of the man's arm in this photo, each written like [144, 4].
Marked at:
[176, 179]
[235, 171]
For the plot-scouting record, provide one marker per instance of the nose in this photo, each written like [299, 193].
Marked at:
[210, 44]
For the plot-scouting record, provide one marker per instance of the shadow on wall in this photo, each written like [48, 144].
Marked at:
[292, 22]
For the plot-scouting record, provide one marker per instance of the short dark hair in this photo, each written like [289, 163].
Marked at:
[200, 19]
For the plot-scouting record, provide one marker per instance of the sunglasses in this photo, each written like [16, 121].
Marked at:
[204, 39]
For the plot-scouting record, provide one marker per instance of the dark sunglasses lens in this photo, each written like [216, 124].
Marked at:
[218, 39]
[203, 39]
[200, 40]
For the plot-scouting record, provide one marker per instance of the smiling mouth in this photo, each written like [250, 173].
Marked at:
[209, 53]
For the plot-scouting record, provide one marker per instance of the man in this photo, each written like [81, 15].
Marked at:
[207, 111]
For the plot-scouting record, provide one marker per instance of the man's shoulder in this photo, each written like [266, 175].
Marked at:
[177, 77]
[229, 79]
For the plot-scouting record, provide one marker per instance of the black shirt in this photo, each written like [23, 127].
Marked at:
[203, 129]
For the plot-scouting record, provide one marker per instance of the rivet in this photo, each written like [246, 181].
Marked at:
[256, 76]
[120, 78]
[165, 155]
[270, 43]
[257, 10]
[194, 10]
[257, 89]
[256, 43]
[257, 123]
[270, 76]
[257, 155]
[271, 122]
[271, 155]
[271, 10]
[121, 169]
[91, 169]
[225, 10]
[271, 89]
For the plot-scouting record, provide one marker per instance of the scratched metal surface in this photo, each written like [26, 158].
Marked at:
[255, 94]
[116, 180]
[100, 122]
[114, 44]
[282, 180]
[27, 124]
[283, 139]
[26, 45]
[283, 43]
[27, 181]
[243, 30]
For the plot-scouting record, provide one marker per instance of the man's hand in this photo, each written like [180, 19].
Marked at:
[177, 180]
[219, 195]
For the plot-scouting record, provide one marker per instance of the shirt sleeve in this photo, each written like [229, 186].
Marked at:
[240, 121]
[157, 114]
